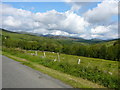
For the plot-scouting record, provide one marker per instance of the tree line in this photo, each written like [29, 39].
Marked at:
[94, 50]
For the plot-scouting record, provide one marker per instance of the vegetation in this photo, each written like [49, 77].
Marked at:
[30, 42]
[75, 82]
[99, 71]
[103, 72]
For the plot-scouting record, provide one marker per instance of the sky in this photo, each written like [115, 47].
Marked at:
[88, 20]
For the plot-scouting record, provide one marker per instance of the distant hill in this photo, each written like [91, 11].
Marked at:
[59, 37]
[78, 39]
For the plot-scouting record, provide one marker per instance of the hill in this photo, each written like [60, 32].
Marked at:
[102, 49]
[58, 37]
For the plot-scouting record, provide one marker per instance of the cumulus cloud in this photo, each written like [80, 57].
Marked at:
[100, 30]
[56, 23]
[105, 32]
[9, 10]
[75, 23]
[68, 22]
[11, 21]
[103, 12]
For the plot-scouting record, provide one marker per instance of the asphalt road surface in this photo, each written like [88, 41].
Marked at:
[16, 75]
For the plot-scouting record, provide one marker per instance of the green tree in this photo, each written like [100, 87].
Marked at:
[102, 52]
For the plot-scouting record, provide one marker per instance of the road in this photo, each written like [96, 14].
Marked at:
[16, 75]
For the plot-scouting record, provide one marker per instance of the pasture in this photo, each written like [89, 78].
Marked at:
[103, 72]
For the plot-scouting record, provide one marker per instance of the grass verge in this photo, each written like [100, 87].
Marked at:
[75, 82]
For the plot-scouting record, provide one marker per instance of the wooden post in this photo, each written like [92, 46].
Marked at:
[78, 61]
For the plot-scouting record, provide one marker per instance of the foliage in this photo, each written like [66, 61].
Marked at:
[106, 50]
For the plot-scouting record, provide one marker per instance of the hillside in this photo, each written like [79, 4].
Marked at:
[58, 37]
[33, 37]
[104, 50]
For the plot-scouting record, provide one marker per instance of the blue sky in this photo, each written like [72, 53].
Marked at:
[40, 6]
[46, 6]
[80, 19]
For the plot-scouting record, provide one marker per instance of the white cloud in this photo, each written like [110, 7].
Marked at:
[7, 9]
[74, 23]
[57, 32]
[103, 12]
[10, 21]
[57, 23]
[105, 32]
[100, 30]
[67, 23]
[109, 36]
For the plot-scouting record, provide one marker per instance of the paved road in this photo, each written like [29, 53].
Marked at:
[16, 75]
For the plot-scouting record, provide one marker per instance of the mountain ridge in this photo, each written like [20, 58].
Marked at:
[77, 39]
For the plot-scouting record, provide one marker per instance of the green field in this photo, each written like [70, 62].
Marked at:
[103, 72]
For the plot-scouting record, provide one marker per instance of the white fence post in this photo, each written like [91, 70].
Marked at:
[78, 61]
[58, 56]
[36, 53]
[54, 59]
[44, 54]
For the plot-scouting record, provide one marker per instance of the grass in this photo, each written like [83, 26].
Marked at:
[101, 64]
[68, 79]
[98, 71]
